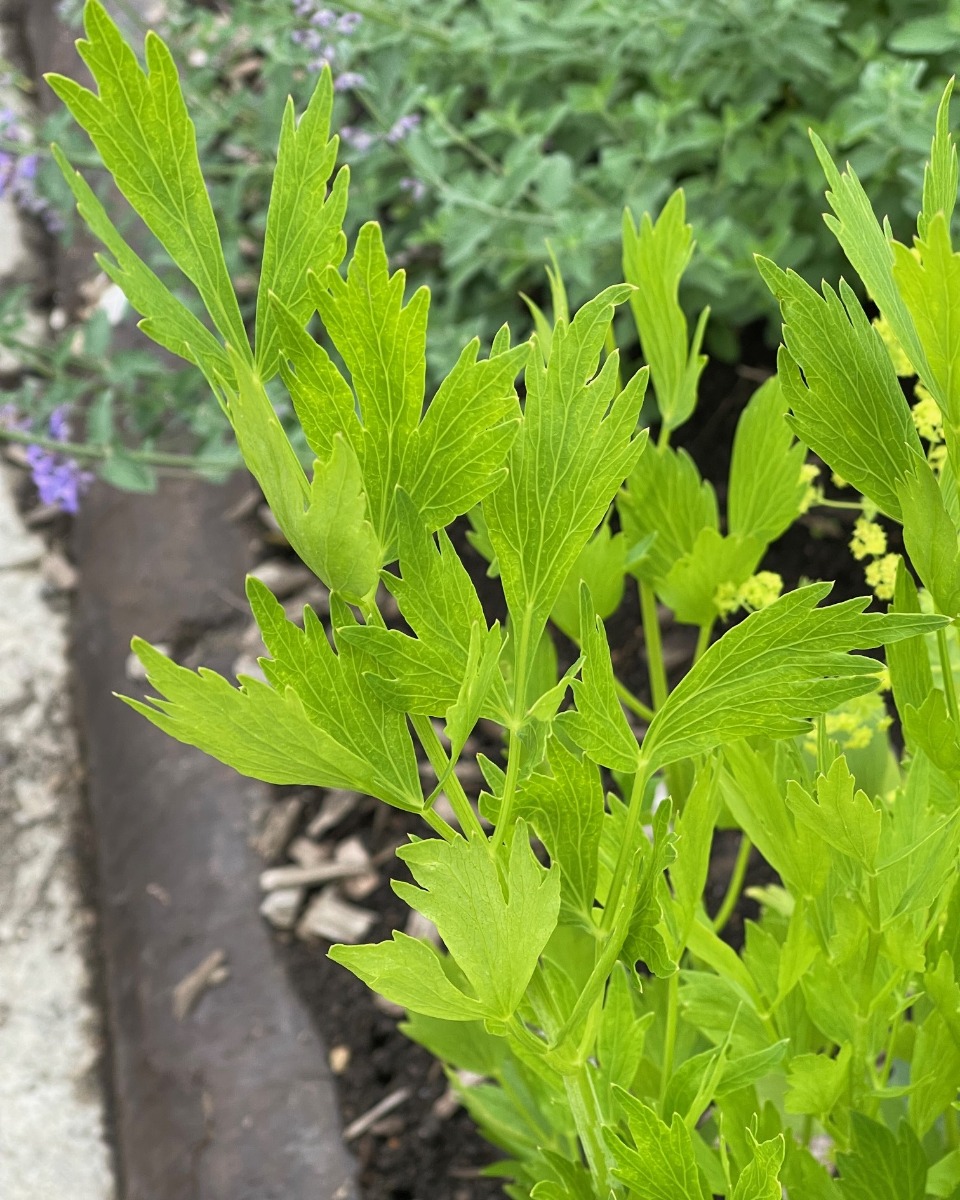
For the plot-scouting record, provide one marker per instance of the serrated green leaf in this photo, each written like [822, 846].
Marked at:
[690, 587]
[842, 815]
[930, 537]
[165, 318]
[665, 500]
[882, 1165]
[577, 443]
[816, 1082]
[661, 1164]
[304, 220]
[123, 471]
[908, 661]
[931, 729]
[257, 730]
[622, 1034]
[766, 491]
[483, 663]
[775, 670]
[841, 387]
[565, 809]
[868, 249]
[143, 132]
[930, 288]
[335, 695]
[598, 724]
[424, 674]
[495, 918]
[760, 1178]
[694, 829]
[344, 549]
[940, 175]
[408, 972]
[654, 259]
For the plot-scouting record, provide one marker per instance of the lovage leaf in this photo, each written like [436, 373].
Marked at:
[600, 566]
[930, 536]
[577, 442]
[760, 1178]
[565, 809]
[661, 1164]
[666, 502]
[654, 259]
[766, 490]
[304, 220]
[166, 319]
[868, 248]
[408, 972]
[842, 815]
[940, 176]
[882, 1165]
[691, 586]
[768, 675]
[841, 387]
[143, 132]
[256, 729]
[495, 917]
[598, 724]
[334, 692]
[908, 661]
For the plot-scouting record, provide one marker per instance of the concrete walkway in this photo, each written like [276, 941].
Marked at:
[52, 1137]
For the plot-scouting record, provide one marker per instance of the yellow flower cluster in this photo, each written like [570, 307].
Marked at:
[869, 540]
[854, 725]
[901, 364]
[927, 416]
[758, 591]
[810, 474]
[881, 575]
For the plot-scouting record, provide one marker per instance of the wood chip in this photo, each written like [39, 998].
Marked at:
[277, 828]
[58, 574]
[307, 853]
[352, 852]
[212, 971]
[246, 505]
[339, 1059]
[337, 803]
[335, 920]
[247, 664]
[324, 872]
[282, 907]
[360, 1126]
[283, 577]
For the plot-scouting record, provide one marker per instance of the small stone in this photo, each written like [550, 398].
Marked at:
[419, 926]
[352, 852]
[335, 920]
[277, 828]
[339, 1059]
[282, 577]
[336, 804]
[282, 907]
[306, 853]
[247, 664]
[135, 669]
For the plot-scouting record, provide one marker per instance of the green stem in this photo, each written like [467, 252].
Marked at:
[630, 700]
[439, 825]
[505, 816]
[735, 885]
[670, 1033]
[703, 641]
[627, 847]
[446, 774]
[183, 462]
[654, 646]
[589, 1122]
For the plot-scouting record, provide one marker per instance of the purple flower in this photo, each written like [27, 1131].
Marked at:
[348, 23]
[416, 187]
[59, 424]
[348, 80]
[358, 139]
[402, 127]
[60, 481]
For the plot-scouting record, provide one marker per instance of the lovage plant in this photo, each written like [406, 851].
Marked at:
[625, 1049]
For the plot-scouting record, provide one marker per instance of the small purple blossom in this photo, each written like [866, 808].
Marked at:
[402, 126]
[59, 424]
[360, 140]
[18, 173]
[60, 481]
[416, 187]
[348, 23]
[348, 81]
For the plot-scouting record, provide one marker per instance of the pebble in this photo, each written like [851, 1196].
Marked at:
[283, 577]
[337, 803]
[282, 907]
[329, 917]
[277, 828]
[352, 852]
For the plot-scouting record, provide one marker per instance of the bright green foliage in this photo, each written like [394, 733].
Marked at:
[654, 260]
[625, 1049]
